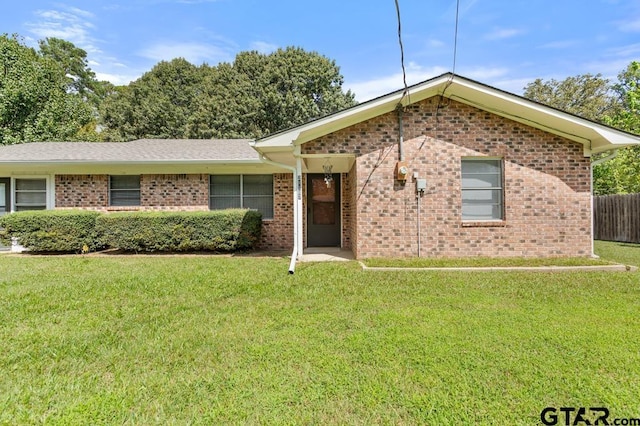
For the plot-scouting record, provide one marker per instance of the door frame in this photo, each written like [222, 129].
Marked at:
[337, 177]
[8, 197]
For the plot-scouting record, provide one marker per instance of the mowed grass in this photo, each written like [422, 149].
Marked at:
[209, 340]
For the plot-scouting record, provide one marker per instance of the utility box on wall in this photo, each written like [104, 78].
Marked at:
[421, 185]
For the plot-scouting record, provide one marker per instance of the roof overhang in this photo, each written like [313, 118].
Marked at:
[594, 137]
[11, 168]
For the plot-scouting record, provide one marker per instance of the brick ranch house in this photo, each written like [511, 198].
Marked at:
[450, 168]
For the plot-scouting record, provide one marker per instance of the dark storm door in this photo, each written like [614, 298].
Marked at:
[5, 196]
[5, 200]
[323, 211]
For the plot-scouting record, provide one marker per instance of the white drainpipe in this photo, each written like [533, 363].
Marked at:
[297, 196]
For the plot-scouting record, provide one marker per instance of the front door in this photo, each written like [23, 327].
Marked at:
[323, 211]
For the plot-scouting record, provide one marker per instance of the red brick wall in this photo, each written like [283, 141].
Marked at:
[277, 234]
[546, 181]
[187, 192]
[82, 191]
[174, 192]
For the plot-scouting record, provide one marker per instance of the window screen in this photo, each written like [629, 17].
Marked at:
[124, 190]
[242, 191]
[482, 191]
[30, 194]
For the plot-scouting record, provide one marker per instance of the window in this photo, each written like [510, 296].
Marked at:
[242, 191]
[124, 190]
[482, 192]
[30, 194]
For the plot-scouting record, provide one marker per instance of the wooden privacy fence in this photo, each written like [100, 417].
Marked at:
[617, 218]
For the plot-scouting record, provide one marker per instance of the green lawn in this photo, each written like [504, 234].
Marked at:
[208, 340]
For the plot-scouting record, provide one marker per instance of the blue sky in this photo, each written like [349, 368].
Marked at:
[504, 43]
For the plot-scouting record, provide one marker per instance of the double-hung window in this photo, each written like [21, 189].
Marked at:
[482, 189]
[124, 190]
[242, 192]
[30, 194]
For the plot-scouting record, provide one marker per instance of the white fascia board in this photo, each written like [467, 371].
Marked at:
[350, 116]
[593, 136]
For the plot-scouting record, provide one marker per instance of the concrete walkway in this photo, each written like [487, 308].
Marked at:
[326, 254]
[593, 268]
[336, 254]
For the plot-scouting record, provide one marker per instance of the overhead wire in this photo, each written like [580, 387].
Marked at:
[404, 71]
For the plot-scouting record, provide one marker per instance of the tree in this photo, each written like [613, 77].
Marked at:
[617, 105]
[589, 96]
[624, 170]
[254, 96]
[34, 102]
[157, 105]
[73, 60]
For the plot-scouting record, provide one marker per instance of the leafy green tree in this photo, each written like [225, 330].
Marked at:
[34, 102]
[73, 60]
[255, 95]
[157, 105]
[589, 96]
[624, 170]
[617, 105]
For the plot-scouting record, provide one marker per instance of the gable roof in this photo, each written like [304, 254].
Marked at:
[142, 151]
[595, 137]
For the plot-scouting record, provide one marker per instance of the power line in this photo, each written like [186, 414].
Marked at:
[455, 37]
[404, 72]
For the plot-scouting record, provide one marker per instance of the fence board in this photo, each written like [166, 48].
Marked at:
[617, 218]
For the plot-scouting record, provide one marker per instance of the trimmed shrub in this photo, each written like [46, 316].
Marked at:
[221, 230]
[65, 231]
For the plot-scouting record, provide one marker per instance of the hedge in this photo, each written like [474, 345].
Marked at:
[221, 230]
[52, 230]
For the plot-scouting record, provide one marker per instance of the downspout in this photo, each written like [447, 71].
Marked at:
[298, 200]
[593, 218]
[296, 211]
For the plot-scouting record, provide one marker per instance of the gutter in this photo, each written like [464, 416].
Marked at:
[296, 213]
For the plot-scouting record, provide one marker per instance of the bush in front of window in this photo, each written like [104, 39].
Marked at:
[223, 230]
[61, 231]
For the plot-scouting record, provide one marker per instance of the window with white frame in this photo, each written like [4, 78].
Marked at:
[124, 190]
[30, 194]
[482, 189]
[242, 191]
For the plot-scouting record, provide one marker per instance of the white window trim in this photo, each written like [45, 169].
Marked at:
[501, 188]
[50, 195]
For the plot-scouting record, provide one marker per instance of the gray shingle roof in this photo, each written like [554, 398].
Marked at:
[139, 151]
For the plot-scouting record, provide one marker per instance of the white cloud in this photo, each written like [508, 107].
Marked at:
[559, 44]
[483, 74]
[263, 47]
[625, 51]
[117, 79]
[630, 26]
[196, 53]
[503, 33]
[365, 90]
[432, 42]
[69, 23]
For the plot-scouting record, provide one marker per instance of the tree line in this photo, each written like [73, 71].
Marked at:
[51, 94]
